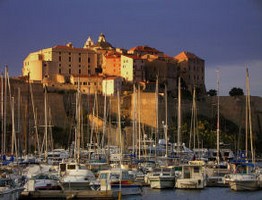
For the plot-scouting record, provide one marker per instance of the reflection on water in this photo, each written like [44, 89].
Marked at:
[206, 194]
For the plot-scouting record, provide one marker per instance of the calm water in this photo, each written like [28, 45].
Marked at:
[206, 194]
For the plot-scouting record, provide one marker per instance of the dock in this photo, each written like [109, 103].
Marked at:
[70, 194]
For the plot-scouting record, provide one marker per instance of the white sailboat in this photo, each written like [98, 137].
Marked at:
[183, 153]
[163, 177]
[217, 170]
[74, 175]
[246, 177]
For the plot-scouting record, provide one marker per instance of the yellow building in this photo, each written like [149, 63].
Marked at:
[58, 63]
[111, 85]
[88, 84]
[132, 68]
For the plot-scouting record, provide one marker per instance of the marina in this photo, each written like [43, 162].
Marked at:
[145, 170]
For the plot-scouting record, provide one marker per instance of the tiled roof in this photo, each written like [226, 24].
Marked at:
[68, 48]
[186, 55]
[144, 49]
[135, 57]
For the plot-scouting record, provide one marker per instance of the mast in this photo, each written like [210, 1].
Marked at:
[35, 119]
[249, 119]
[78, 125]
[139, 122]
[218, 116]
[179, 114]
[165, 125]
[193, 121]
[45, 133]
[134, 118]
[119, 122]
[104, 118]
[5, 102]
[156, 96]
[14, 144]
[2, 114]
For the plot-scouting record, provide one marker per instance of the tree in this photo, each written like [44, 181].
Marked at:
[236, 92]
[212, 93]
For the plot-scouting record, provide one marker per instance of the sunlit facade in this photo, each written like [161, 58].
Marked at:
[132, 68]
[59, 61]
[112, 64]
[192, 70]
[110, 85]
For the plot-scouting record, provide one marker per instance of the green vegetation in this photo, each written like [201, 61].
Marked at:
[236, 92]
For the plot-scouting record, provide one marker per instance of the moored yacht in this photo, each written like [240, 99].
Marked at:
[162, 178]
[192, 176]
[75, 176]
[117, 180]
[244, 177]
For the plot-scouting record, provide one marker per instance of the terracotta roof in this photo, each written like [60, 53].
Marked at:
[144, 49]
[135, 57]
[113, 55]
[68, 48]
[186, 55]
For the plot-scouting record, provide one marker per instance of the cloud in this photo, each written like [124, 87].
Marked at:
[234, 75]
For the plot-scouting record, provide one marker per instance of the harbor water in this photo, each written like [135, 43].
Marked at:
[209, 193]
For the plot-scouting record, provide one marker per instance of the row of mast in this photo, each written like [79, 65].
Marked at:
[136, 114]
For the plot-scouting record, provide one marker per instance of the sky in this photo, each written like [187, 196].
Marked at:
[226, 34]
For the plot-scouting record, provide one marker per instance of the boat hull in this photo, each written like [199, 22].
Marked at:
[158, 182]
[11, 193]
[189, 184]
[251, 185]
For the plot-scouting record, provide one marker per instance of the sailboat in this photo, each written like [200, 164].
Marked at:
[192, 173]
[74, 175]
[180, 150]
[218, 169]
[163, 177]
[246, 176]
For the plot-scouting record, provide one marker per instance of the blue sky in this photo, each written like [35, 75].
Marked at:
[226, 34]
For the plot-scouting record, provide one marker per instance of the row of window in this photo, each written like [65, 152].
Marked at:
[70, 59]
[88, 83]
[70, 71]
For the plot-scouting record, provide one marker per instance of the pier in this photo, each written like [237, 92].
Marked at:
[71, 194]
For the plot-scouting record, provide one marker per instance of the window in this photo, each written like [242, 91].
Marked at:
[69, 59]
[79, 59]
[79, 71]
[196, 169]
[60, 58]
[60, 71]
[69, 71]
[89, 60]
